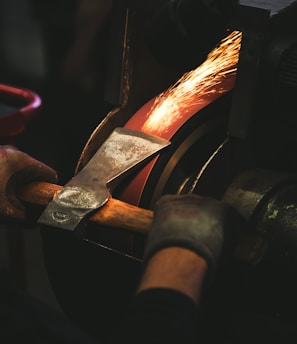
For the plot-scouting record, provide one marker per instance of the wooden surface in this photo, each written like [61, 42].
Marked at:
[114, 213]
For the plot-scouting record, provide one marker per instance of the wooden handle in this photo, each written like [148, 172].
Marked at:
[114, 213]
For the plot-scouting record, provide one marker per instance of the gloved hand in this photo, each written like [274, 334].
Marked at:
[193, 222]
[17, 169]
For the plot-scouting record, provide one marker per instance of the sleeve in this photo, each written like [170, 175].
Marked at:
[26, 319]
[160, 316]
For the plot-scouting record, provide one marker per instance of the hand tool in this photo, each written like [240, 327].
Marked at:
[89, 190]
[115, 213]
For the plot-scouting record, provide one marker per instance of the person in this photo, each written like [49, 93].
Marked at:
[16, 169]
[181, 256]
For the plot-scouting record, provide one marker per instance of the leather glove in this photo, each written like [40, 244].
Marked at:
[190, 221]
[17, 169]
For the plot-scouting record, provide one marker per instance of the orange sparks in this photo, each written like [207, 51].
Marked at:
[213, 77]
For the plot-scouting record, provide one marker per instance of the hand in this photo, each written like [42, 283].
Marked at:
[17, 169]
[193, 222]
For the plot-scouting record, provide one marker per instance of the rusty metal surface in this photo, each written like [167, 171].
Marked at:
[251, 188]
[90, 189]
[266, 199]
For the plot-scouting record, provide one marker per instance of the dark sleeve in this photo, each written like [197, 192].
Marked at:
[25, 319]
[160, 316]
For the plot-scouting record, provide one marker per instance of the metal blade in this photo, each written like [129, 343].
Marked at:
[90, 189]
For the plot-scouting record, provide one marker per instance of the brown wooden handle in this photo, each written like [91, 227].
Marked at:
[114, 213]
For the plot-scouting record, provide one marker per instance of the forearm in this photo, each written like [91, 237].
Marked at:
[165, 307]
[182, 250]
[175, 268]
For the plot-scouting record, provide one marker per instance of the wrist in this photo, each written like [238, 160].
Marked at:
[175, 268]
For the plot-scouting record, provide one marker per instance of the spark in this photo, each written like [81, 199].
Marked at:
[208, 79]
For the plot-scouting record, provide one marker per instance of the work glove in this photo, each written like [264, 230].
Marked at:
[201, 224]
[17, 169]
